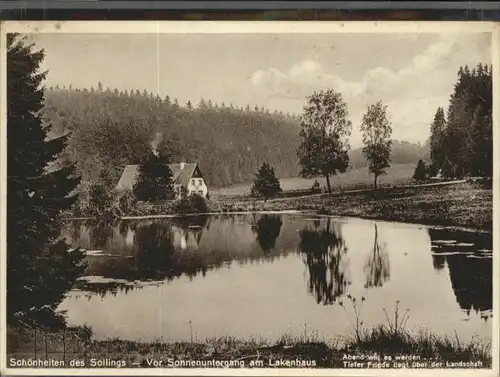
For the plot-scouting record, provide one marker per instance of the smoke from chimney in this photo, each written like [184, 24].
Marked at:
[155, 143]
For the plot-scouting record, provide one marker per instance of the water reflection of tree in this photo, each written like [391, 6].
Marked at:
[268, 229]
[377, 268]
[438, 261]
[471, 275]
[75, 231]
[100, 232]
[102, 289]
[155, 251]
[123, 228]
[157, 254]
[325, 256]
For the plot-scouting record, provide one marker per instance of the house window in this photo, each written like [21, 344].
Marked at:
[193, 182]
[200, 182]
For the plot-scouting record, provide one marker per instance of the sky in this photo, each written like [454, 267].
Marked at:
[412, 73]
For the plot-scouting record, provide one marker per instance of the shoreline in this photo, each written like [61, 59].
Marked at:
[297, 212]
[461, 206]
[397, 349]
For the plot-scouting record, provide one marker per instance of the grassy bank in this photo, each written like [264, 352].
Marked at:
[310, 351]
[467, 205]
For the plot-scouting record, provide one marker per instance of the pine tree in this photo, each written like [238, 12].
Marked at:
[189, 105]
[41, 268]
[167, 101]
[438, 133]
[154, 181]
[479, 144]
[265, 183]
[468, 138]
[420, 173]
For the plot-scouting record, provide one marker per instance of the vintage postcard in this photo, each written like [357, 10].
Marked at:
[249, 198]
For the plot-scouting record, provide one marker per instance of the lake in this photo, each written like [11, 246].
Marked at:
[268, 275]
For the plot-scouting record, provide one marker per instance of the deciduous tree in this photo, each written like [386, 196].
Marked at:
[377, 131]
[325, 130]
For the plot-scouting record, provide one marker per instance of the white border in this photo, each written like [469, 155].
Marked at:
[248, 27]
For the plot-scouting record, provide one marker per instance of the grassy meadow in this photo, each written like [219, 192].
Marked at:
[397, 174]
[467, 205]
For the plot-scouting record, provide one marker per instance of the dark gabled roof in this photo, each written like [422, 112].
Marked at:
[179, 176]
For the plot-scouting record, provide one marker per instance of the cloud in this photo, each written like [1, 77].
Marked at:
[298, 81]
[412, 92]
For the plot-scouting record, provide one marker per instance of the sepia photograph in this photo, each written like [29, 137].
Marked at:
[267, 197]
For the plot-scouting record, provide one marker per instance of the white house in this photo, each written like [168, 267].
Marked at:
[187, 175]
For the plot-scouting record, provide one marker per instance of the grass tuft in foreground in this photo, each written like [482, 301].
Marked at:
[322, 353]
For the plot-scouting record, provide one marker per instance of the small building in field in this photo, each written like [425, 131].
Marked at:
[187, 175]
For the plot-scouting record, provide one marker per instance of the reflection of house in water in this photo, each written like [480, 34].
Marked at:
[467, 256]
[164, 249]
[187, 238]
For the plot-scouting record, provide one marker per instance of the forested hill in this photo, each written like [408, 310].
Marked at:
[110, 129]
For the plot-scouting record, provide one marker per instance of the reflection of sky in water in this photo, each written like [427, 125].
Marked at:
[251, 279]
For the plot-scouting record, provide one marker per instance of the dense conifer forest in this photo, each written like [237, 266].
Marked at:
[461, 143]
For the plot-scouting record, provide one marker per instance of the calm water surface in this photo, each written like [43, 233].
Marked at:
[266, 275]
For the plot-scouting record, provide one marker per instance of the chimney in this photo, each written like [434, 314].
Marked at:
[182, 165]
[155, 143]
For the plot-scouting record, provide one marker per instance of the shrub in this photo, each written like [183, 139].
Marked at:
[193, 203]
[316, 188]
[198, 203]
[100, 200]
[124, 202]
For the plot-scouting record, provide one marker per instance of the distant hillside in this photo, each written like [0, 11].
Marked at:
[110, 129]
[403, 152]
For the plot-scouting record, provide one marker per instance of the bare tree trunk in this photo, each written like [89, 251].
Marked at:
[375, 181]
[328, 182]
